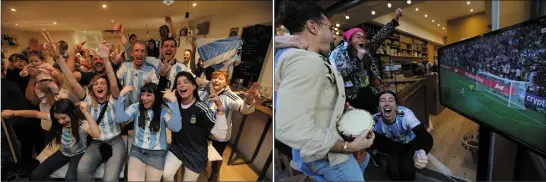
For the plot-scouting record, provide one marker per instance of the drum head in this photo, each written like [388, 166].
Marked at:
[355, 122]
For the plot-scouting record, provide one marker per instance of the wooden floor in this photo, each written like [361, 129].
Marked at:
[448, 129]
[241, 172]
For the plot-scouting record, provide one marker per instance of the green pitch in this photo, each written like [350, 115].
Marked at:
[525, 125]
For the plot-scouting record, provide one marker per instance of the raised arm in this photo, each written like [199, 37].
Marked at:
[173, 119]
[29, 92]
[104, 54]
[54, 51]
[122, 115]
[172, 29]
[124, 41]
[93, 130]
[26, 114]
[378, 39]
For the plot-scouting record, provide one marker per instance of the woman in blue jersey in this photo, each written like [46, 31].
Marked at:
[70, 126]
[189, 146]
[150, 118]
[101, 96]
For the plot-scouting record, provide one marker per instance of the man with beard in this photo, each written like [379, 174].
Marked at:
[136, 72]
[310, 98]
[400, 134]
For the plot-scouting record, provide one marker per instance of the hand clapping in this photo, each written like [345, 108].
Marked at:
[126, 90]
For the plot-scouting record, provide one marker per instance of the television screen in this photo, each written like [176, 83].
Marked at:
[498, 80]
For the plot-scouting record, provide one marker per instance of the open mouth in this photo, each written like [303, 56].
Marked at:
[361, 45]
[183, 90]
[100, 91]
[168, 53]
[387, 110]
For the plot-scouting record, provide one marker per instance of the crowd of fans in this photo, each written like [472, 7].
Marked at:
[516, 54]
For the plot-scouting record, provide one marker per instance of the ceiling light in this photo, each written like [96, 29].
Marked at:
[43, 28]
[16, 24]
[336, 28]
[54, 23]
[84, 31]
[409, 2]
[13, 9]
[337, 24]
[438, 24]
[104, 6]
[426, 15]
[443, 28]
[433, 21]
[471, 10]
[347, 17]
[194, 4]
[468, 2]
[389, 5]
[337, 33]
[73, 28]
[416, 9]
[373, 12]
[112, 21]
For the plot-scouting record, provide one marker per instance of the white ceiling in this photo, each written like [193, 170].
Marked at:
[440, 11]
[89, 15]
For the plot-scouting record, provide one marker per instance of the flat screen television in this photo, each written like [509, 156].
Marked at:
[498, 80]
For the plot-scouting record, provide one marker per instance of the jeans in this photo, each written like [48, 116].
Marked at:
[349, 170]
[53, 163]
[93, 158]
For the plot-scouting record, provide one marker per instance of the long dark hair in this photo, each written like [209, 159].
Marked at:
[156, 107]
[190, 77]
[65, 106]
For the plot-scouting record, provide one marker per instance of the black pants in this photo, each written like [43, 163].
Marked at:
[365, 100]
[53, 163]
[220, 147]
[400, 164]
[31, 137]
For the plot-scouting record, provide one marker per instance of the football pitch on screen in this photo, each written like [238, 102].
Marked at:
[524, 124]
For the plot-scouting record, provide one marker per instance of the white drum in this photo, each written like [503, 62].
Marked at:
[354, 123]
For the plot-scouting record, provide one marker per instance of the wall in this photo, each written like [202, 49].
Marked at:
[24, 36]
[431, 53]
[514, 12]
[466, 27]
[411, 27]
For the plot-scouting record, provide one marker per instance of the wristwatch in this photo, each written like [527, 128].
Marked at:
[345, 146]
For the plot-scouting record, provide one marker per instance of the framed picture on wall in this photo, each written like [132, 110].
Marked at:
[234, 32]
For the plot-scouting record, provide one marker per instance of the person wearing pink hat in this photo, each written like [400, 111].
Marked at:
[355, 60]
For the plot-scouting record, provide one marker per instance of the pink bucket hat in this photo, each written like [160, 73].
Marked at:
[349, 33]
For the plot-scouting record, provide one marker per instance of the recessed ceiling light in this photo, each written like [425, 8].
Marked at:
[373, 12]
[416, 9]
[13, 9]
[112, 21]
[409, 2]
[443, 28]
[426, 15]
[16, 24]
[347, 17]
[104, 6]
[336, 28]
[157, 26]
[438, 24]
[389, 5]
[337, 24]
[337, 33]
[194, 4]
[73, 28]
[54, 23]
[468, 2]
[471, 10]
[432, 20]
[84, 31]
[43, 28]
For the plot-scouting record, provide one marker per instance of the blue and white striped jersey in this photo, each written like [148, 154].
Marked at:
[69, 146]
[401, 129]
[144, 137]
[128, 75]
[108, 127]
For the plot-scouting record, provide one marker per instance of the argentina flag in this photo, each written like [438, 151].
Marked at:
[217, 51]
